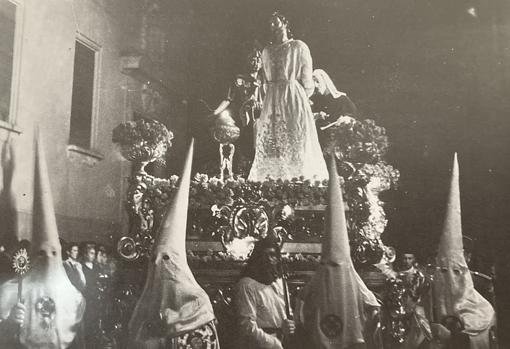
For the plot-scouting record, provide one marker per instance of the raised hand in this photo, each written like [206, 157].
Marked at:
[17, 314]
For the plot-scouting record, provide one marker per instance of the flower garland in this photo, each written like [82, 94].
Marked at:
[224, 260]
[207, 191]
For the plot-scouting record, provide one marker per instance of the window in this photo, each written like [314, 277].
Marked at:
[84, 93]
[10, 28]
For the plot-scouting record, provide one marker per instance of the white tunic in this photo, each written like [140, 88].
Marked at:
[259, 306]
[287, 144]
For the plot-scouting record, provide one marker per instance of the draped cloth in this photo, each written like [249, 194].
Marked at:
[54, 308]
[453, 289]
[337, 303]
[286, 142]
[172, 304]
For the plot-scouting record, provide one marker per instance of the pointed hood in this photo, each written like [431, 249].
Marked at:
[335, 243]
[8, 205]
[450, 244]
[172, 302]
[335, 299]
[172, 232]
[46, 286]
[454, 293]
[44, 224]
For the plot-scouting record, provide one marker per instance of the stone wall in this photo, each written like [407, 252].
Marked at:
[88, 188]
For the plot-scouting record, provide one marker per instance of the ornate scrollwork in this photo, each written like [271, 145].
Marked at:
[401, 298]
[239, 226]
[250, 220]
[128, 248]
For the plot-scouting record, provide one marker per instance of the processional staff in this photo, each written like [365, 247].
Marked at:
[21, 265]
[288, 342]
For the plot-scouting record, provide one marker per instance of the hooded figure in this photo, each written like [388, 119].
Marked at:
[453, 290]
[336, 300]
[330, 106]
[53, 306]
[173, 311]
[325, 85]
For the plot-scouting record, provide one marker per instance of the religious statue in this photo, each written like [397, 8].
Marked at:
[330, 106]
[243, 104]
[286, 142]
[225, 132]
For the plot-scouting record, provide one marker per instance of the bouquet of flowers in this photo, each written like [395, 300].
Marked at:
[358, 141]
[143, 140]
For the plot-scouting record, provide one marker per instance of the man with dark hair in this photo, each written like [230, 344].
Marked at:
[73, 267]
[260, 299]
[407, 267]
[408, 262]
[91, 293]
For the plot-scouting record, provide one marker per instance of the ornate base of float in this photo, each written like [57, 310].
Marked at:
[225, 218]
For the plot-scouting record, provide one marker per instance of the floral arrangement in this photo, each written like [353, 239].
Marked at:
[357, 141]
[143, 140]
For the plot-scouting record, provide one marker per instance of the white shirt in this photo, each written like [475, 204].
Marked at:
[73, 266]
[260, 306]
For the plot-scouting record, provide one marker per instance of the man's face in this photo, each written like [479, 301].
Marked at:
[270, 264]
[270, 256]
[90, 255]
[408, 260]
[73, 252]
[102, 258]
